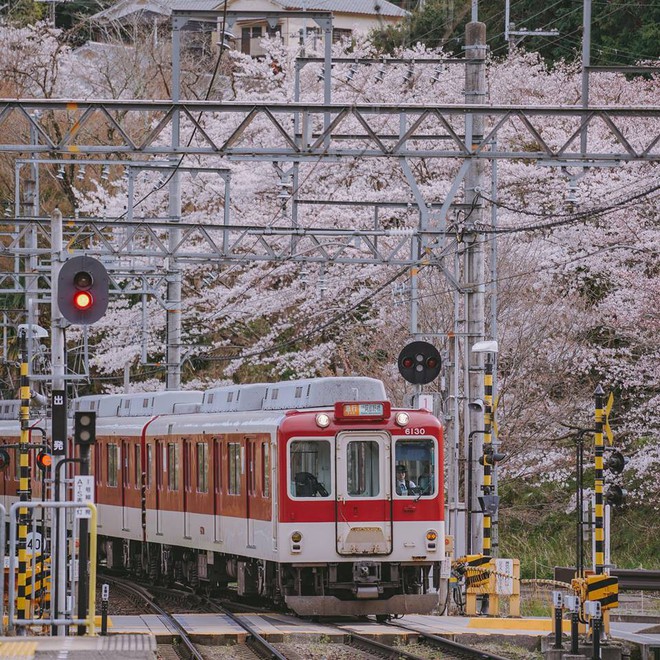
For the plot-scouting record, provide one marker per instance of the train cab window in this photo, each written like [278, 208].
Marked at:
[202, 467]
[113, 464]
[309, 468]
[234, 486]
[415, 461]
[172, 466]
[363, 468]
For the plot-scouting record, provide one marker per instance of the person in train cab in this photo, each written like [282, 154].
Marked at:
[403, 485]
[426, 482]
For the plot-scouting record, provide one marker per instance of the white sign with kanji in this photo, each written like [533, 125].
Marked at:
[83, 492]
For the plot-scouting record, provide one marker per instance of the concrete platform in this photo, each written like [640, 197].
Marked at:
[136, 637]
[138, 647]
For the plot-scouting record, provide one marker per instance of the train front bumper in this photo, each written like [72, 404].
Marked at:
[333, 606]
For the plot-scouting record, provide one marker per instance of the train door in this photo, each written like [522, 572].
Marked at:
[125, 484]
[187, 486]
[217, 490]
[363, 501]
[160, 472]
[251, 487]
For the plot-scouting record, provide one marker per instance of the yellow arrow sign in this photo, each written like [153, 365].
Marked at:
[606, 426]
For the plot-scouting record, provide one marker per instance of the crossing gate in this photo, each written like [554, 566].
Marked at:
[36, 580]
[496, 578]
[601, 588]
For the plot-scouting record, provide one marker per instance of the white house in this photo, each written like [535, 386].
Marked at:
[349, 16]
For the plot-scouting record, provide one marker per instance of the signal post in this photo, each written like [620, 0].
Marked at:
[80, 293]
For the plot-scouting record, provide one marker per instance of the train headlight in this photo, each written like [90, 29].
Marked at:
[431, 540]
[322, 420]
[296, 538]
[402, 418]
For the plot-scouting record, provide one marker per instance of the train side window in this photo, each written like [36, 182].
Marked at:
[217, 466]
[202, 467]
[265, 469]
[147, 467]
[309, 468]
[126, 472]
[113, 464]
[234, 468]
[418, 457]
[138, 466]
[172, 466]
[363, 468]
[98, 464]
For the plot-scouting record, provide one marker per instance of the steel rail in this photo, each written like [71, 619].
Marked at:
[456, 649]
[255, 642]
[148, 598]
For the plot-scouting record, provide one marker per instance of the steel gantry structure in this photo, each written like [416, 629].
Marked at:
[296, 135]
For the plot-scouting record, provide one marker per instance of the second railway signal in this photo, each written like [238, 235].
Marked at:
[84, 428]
[82, 290]
[419, 362]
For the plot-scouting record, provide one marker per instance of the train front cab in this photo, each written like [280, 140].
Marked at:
[381, 552]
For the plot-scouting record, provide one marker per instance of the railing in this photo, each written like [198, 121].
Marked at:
[37, 578]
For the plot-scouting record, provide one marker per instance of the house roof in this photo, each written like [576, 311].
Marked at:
[125, 8]
[369, 7]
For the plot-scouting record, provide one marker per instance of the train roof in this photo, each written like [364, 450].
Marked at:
[287, 395]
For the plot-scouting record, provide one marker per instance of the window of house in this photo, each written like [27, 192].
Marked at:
[172, 466]
[202, 467]
[338, 34]
[113, 464]
[309, 468]
[234, 468]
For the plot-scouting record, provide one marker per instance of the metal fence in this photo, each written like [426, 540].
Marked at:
[37, 580]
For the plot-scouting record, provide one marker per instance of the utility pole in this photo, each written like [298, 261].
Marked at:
[586, 63]
[510, 33]
[474, 269]
[173, 310]
[59, 425]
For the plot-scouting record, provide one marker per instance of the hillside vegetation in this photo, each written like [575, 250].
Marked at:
[578, 283]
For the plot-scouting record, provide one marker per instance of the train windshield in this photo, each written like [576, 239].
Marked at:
[363, 465]
[415, 461]
[310, 468]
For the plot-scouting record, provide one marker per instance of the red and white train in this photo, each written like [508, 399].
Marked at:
[286, 489]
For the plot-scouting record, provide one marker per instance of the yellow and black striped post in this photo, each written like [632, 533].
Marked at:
[24, 480]
[599, 528]
[488, 445]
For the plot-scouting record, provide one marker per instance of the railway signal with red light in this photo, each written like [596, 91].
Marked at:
[44, 461]
[419, 362]
[82, 290]
[4, 459]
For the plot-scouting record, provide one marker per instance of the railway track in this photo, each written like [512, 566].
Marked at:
[257, 645]
[449, 648]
